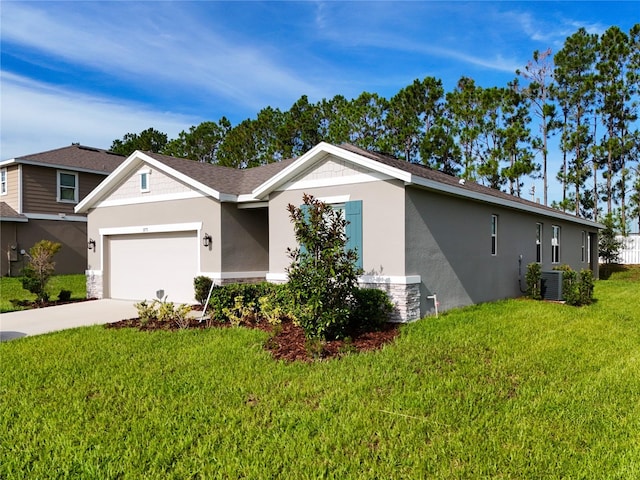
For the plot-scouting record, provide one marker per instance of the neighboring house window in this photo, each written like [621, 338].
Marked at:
[555, 244]
[494, 234]
[538, 242]
[583, 247]
[68, 187]
[144, 181]
[3, 181]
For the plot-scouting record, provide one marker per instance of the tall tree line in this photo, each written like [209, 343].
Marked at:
[586, 95]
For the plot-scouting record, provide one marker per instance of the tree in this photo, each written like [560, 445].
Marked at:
[365, 116]
[616, 89]
[323, 274]
[608, 245]
[40, 268]
[539, 73]
[149, 140]
[412, 113]
[575, 90]
[201, 143]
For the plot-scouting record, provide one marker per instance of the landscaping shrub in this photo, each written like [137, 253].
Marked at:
[225, 307]
[586, 286]
[323, 273]
[201, 286]
[38, 271]
[64, 295]
[371, 311]
[534, 281]
[577, 289]
[164, 312]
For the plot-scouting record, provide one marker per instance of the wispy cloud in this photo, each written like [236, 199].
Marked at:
[163, 47]
[38, 117]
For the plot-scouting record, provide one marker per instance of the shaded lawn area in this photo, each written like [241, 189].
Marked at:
[512, 389]
[11, 289]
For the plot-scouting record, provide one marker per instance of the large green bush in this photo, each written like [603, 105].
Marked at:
[323, 273]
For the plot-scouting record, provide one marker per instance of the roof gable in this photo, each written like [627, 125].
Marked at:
[224, 184]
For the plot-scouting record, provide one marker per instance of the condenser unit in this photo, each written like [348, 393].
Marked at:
[551, 285]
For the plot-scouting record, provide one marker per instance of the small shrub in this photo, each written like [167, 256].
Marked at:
[181, 315]
[64, 295]
[146, 311]
[223, 299]
[570, 290]
[534, 281]
[270, 310]
[38, 271]
[372, 308]
[201, 286]
[241, 311]
[585, 287]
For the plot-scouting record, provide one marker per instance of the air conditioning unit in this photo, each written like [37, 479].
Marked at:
[551, 285]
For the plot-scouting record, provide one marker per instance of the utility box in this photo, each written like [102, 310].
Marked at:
[551, 285]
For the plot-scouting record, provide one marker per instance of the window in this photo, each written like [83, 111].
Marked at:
[538, 242]
[352, 211]
[67, 187]
[144, 180]
[555, 244]
[583, 247]
[3, 181]
[494, 234]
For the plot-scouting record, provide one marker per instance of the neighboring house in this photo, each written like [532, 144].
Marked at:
[38, 194]
[160, 221]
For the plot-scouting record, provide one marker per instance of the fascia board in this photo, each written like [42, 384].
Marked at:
[128, 166]
[483, 197]
[318, 153]
[57, 166]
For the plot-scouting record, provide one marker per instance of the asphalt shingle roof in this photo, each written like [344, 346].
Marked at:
[76, 157]
[229, 180]
[8, 213]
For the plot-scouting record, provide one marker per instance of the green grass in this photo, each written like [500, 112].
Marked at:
[11, 289]
[512, 389]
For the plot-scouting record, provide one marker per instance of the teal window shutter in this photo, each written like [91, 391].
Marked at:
[353, 215]
[305, 215]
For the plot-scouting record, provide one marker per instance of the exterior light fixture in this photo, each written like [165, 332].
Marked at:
[92, 244]
[206, 240]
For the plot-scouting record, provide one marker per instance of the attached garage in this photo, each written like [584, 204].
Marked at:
[144, 266]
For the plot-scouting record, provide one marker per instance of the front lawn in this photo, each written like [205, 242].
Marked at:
[11, 289]
[512, 389]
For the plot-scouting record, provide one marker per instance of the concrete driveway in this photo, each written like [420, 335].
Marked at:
[50, 319]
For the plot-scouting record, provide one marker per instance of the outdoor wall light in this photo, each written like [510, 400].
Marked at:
[206, 240]
[92, 244]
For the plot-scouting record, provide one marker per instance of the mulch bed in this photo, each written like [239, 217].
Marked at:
[287, 341]
[49, 303]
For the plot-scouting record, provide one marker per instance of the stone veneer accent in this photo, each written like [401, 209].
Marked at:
[94, 284]
[405, 298]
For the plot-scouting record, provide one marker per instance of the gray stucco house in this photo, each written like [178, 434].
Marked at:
[159, 221]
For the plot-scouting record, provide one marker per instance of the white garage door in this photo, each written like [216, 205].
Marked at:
[140, 267]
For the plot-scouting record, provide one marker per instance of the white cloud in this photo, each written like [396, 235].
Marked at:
[162, 46]
[37, 117]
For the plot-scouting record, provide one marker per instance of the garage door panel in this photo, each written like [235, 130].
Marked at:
[140, 266]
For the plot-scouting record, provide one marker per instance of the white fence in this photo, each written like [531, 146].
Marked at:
[630, 252]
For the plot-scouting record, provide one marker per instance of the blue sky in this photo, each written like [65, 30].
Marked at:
[90, 72]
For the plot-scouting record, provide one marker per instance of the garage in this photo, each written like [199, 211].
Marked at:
[151, 265]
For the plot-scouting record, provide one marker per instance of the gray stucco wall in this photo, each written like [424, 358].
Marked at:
[449, 246]
[382, 224]
[205, 210]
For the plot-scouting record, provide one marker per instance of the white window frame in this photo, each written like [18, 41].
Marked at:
[555, 244]
[539, 233]
[3, 181]
[146, 175]
[583, 247]
[59, 186]
[494, 235]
